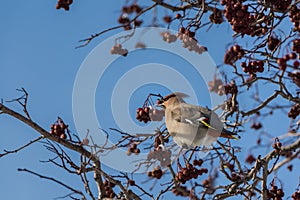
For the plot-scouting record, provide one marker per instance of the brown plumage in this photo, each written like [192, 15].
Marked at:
[191, 125]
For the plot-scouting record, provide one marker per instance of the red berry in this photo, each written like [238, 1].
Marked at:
[282, 67]
[131, 182]
[236, 48]
[293, 55]
[63, 136]
[146, 109]
[182, 30]
[286, 57]
[134, 145]
[260, 69]
[191, 34]
[136, 151]
[260, 63]
[281, 61]
[279, 144]
[243, 64]
[178, 16]
[296, 64]
[167, 19]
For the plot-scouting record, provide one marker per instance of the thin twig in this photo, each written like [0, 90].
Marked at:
[54, 180]
[22, 147]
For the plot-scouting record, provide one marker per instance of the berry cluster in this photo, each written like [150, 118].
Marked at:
[189, 42]
[273, 42]
[250, 159]
[160, 153]
[133, 8]
[187, 32]
[180, 191]
[277, 145]
[142, 114]
[117, 49]
[156, 173]
[296, 195]
[275, 193]
[295, 76]
[65, 4]
[231, 88]
[253, 67]
[278, 6]
[233, 54]
[242, 21]
[296, 46]
[187, 37]
[256, 125]
[190, 171]
[108, 187]
[198, 162]
[294, 112]
[168, 37]
[294, 15]
[282, 62]
[123, 19]
[133, 149]
[216, 17]
[216, 85]
[126, 12]
[149, 114]
[292, 56]
[59, 128]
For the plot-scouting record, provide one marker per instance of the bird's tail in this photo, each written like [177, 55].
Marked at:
[228, 134]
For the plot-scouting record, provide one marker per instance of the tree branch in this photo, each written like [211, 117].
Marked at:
[262, 105]
[22, 147]
[54, 180]
[71, 146]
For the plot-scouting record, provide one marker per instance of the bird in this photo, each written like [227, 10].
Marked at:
[191, 125]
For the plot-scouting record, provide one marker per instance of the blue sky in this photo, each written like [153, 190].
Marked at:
[37, 52]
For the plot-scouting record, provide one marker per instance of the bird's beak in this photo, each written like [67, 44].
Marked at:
[161, 105]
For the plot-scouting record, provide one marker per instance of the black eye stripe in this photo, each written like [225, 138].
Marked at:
[168, 97]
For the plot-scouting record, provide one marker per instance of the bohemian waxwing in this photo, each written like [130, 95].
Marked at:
[191, 125]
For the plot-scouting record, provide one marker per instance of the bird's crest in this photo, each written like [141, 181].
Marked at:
[175, 94]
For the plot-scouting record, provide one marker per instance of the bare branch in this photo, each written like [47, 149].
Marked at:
[54, 180]
[88, 40]
[22, 147]
[287, 160]
[262, 105]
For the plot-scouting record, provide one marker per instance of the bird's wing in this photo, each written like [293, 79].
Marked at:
[196, 115]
